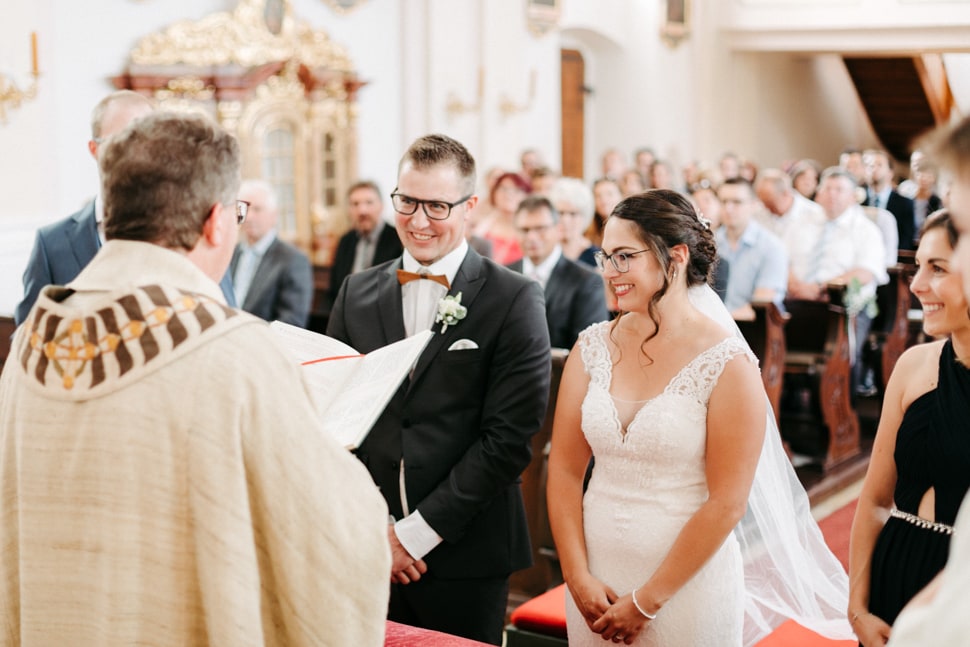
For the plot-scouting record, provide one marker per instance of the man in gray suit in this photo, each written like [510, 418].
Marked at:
[272, 279]
[63, 248]
[574, 293]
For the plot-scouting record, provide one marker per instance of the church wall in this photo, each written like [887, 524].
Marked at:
[734, 83]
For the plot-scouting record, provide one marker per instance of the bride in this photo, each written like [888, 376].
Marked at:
[693, 530]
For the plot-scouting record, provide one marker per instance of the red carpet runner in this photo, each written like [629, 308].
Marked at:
[835, 529]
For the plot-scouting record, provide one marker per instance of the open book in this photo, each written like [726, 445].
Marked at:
[350, 390]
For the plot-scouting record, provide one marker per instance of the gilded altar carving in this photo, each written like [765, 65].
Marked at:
[240, 37]
[285, 89]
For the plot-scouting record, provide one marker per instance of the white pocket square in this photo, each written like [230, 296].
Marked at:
[463, 344]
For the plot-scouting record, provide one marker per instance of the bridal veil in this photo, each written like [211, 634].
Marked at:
[789, 572]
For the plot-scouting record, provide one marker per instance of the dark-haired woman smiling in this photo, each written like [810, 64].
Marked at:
[920, 466]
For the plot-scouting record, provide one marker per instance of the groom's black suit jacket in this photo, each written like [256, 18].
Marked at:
[463, 422]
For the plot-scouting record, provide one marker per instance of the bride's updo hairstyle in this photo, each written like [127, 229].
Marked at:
[663, 220]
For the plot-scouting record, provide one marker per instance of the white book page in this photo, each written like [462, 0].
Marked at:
[367, 390]
[327, 379]
[350, 390]
[307, 345]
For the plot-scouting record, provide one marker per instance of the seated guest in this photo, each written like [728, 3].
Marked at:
[574, 202]
[729, 165]
[643, 159]
[662, 176]
[691, 173]
[574, 293]
[758, 259]
[530, 162]
[925, 198]
[497, 226]
[782, 203]
[613, 165]
[369, 242]
[173, 484]
[804, 177]
[851, 160]
[882, 195]
[749, 170]
[62, 249]
[272, 278]
[703, 194]
[543, 179]
[631, 183]
[606, 195]
[843, 246]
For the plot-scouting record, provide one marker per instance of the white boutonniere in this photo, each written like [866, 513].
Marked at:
[450, 311]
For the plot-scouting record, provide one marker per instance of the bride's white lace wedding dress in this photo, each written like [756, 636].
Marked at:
[648, 481]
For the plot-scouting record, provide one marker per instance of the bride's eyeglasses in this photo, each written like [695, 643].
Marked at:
[619, 260]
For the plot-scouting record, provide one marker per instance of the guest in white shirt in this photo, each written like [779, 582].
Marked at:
[840, 246]
[782, 203]
[843, 247]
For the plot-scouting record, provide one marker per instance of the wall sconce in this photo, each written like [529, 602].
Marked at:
[12, 96]
[509, 107]
[456, 106]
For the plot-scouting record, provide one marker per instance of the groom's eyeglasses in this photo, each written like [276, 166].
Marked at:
[619, 260]
[433, 209]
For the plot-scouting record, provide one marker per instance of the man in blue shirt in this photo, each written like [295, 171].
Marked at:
[758, 259]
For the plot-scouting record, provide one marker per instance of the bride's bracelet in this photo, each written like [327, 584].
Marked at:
[857, 615]
[648, 616]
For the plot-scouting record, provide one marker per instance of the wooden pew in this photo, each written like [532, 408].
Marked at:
[530, 582]
[6, 331]
[766, 336]
[818, 418]
[894, 338]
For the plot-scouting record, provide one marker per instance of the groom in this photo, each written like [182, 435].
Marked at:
[448, 449]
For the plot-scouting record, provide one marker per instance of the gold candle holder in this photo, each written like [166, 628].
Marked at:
[11, 95]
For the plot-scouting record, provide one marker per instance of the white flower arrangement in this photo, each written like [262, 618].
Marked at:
[855, 302]
[450, 311]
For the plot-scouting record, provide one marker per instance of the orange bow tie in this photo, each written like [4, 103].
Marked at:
[406, 277]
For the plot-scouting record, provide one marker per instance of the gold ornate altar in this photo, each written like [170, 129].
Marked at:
[286, 90]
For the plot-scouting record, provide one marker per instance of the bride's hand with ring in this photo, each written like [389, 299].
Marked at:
[622, 622]
[591, 596]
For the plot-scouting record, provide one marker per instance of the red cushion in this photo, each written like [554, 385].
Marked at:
[399, 635]
[545, 614]
[792, 634]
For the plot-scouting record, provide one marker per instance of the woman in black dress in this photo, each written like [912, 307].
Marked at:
[919, 471]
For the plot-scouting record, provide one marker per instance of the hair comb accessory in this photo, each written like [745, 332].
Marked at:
[704, 221]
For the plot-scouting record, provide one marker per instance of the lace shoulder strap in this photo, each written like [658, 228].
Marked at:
[702, 373]
[595, 354]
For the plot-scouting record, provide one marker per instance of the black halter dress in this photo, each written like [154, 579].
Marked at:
[932, 451]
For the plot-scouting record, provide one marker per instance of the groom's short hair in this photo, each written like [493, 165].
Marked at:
[434, 150]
